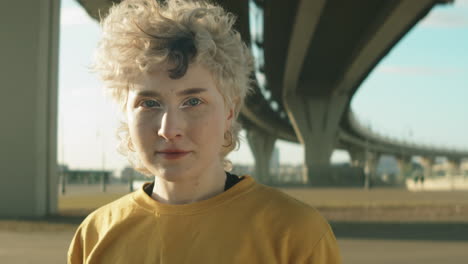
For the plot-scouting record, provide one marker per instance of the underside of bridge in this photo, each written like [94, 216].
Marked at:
[317, 53]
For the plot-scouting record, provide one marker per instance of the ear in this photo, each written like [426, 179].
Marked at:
[229, 118]
[231, 113]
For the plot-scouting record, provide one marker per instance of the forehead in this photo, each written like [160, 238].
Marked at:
[159, 80]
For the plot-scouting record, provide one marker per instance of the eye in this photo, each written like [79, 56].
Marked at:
[193, 102]
[149, 104]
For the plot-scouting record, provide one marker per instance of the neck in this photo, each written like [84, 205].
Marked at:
[189, 190]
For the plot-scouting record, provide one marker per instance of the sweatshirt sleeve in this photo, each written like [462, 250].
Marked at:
[75, 251]
[311, 240]
[326, 250]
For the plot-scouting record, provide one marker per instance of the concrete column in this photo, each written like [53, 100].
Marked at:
[464, 169]
[370, 168]
[28, 108]
[454, 167]
[358, 157]
[428, 163]
[404, 165]
[315, 119]
[454, 170]
[262, 145]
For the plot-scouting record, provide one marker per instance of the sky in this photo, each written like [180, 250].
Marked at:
[418, 92]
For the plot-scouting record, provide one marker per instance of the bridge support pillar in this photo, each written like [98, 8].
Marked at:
[315, 120]
[454, 170]
[464, 169]
[370, 168]
[262, 145]
[28, 109]
[427, 163]
[454, 167]
[358, 157]
[404, 166]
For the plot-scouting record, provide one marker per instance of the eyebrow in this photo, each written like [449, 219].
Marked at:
[190, 91]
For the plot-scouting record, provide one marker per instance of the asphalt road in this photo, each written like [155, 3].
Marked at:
[356, 251]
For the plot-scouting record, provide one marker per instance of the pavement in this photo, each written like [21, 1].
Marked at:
[356, 251]
[34, 247]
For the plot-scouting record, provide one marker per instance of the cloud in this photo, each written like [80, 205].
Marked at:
[72, 16]
[418, 70]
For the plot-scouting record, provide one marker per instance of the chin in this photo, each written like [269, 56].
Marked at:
[174, 174]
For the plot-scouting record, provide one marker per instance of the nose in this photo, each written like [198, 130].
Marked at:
[170, 127]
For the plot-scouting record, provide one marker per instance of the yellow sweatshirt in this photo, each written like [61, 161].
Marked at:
[248, 223]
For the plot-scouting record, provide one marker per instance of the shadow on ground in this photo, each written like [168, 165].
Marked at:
[52, 219]
[440, 231]
[402, 231]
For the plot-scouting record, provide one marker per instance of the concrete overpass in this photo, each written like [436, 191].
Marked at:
[311, 58]
[365, 147]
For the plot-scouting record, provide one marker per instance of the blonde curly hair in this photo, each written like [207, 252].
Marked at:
[139, 35]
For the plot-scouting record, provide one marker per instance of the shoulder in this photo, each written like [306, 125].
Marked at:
[104, 218]
[283, 205]
[282, 212]
[94, 227]
[307, 234]
[100, 223]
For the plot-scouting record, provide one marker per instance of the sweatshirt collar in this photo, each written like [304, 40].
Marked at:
[142, 199]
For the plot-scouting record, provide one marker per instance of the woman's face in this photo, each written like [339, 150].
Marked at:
[177, 126]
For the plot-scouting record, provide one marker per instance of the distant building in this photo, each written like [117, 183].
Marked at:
[130, 173]
[387, 165]
[62, 168]
[243, 169]
[86, 176]
[289, 173]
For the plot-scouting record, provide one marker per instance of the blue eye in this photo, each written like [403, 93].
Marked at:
[150, 103]
[193, 102]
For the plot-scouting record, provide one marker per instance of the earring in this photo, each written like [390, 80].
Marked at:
[130, 144]
[230, 138]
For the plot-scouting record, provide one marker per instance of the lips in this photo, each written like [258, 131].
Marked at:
[172, 154]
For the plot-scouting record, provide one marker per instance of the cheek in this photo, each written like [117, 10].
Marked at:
[207, 130]
[141, 131]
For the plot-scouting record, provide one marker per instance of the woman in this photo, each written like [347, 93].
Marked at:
[180, 73]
